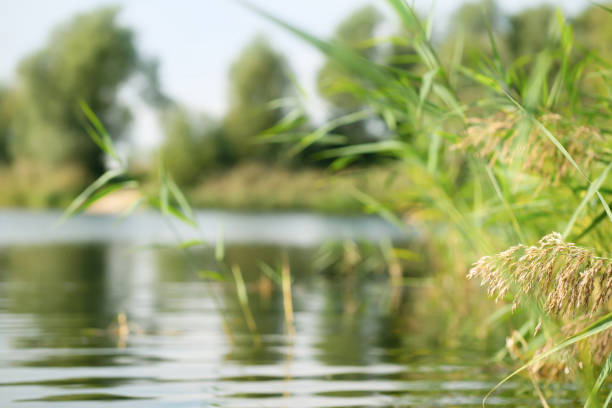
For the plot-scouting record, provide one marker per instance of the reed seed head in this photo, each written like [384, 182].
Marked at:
[497, 138]
[567, 279]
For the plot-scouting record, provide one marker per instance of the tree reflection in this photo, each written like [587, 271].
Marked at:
[62, 288]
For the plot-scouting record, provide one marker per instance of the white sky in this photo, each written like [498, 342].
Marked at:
[196, 40]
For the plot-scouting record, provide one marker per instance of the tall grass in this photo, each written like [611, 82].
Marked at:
[531, 155]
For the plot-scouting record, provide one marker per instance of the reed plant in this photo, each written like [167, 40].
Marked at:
[488, 176]
[529, 155]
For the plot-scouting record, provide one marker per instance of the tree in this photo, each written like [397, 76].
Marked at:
[593, 30]
[336, 85]
[87, 59]
[354, 32]
[470, 26]
[259, 76]
[193, 145]
[529, 31]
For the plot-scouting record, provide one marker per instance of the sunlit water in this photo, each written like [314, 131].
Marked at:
[189, 343]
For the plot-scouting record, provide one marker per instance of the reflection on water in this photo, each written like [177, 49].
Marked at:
[187, 343]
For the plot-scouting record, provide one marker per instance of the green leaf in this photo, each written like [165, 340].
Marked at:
[220, 247]
[593, 188]
[270, 273]
[104, 191]
[181, 200]
[192, 243]
[169, 210]
[560, 147]
[603, 375]
[600, 325]
[515, 223]
[98, 133]
[212, 275]
[377, 207]
[164, 195]
[387, 146]
[315, 136]
[78, 203]
[608, 400]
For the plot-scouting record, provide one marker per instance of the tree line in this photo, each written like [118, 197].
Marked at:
[92, 56]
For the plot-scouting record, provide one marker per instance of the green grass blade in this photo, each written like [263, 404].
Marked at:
[600, 325]
[98, 133]
[164, 194]
[561, 148]
[243, 299]
[410, 20]
[79, 201]
[321, 132]
[608, 400]
[212, 275]
[271, 273]
[192, 243]
[348, 58]
[602, 216]
[515, 223]
[220, 246]
[182, 201]
[605, 372]
[377, 207]
[169, 210]
[593, 187]
[387, 146]
[130, 209]
[106, 190]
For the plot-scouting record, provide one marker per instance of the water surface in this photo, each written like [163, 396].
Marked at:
[191, 343]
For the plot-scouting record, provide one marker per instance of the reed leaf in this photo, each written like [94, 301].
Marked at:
[598, 326]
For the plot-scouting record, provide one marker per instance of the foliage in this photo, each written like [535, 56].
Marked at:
[86, 59]
[471, 26]
[192, 145]
[592, 27]
[258, 77]
[569, 279]
[529, 156]
[499, 182]
[355, 32]
[529, 30]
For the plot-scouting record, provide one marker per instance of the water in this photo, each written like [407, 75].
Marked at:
[188, 343]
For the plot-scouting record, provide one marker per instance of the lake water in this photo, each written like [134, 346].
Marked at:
[188, 342]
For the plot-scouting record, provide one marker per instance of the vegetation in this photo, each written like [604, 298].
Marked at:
[530, 155]
[248, 185]
[88, 59]
[499, 141]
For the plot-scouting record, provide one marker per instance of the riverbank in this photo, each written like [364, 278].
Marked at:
[247, 187]
[255, 186]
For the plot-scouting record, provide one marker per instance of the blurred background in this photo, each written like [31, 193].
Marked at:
[207, 88]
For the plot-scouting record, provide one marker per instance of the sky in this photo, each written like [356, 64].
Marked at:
[196, 40]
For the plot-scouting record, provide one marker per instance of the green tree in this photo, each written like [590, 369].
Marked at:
[593, 30]
[336, 85]
[529, 30]
[470, 28]
[354, 32]
[259, 76]
[193, 145]
[88, 59]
